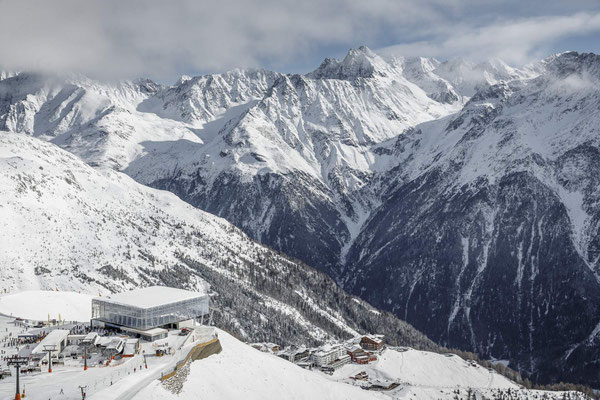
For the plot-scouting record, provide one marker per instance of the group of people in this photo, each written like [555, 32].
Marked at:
[80, 329]
[11, 341]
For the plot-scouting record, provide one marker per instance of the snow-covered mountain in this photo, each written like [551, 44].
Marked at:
[97, 121]
[68, 226]
[489, 236]
[269, 138]
[450, 193]
[295, 157]
[202, 99]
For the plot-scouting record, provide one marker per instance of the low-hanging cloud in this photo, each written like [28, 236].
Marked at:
[163, 39]
[514, 41]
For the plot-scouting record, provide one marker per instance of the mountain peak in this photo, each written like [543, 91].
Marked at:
[361, 62]
[183, 79]
[361, 51]
[572, 62]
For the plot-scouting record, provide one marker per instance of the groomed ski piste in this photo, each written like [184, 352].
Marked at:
[238, 371]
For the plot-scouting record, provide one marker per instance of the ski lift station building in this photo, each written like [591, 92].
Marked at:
[150, 311]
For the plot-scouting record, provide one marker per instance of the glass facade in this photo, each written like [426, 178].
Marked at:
[147, 318]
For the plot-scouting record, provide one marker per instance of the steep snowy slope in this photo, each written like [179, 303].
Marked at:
[205, 98]
[422, 72]
[489, 238]
[66, 225]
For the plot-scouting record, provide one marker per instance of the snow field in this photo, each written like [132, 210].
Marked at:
[41, 305]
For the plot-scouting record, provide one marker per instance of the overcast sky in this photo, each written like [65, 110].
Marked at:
[164, 39]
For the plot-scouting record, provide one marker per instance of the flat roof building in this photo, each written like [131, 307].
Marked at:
[148, 308]
[56, 338]
[327, 354]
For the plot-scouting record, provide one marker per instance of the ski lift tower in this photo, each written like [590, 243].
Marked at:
[50, 348]
[83, 392]
[85, 356]
[18, 362]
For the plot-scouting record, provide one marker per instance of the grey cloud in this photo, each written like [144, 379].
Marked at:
[515, 41]
[163, 39]
[132, 37]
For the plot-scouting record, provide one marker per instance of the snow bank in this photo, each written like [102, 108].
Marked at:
[39, 304]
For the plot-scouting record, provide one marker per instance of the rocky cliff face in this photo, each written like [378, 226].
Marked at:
[490, 235]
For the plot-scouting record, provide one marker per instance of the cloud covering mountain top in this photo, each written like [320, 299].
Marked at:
[163, 40]
[166, 39]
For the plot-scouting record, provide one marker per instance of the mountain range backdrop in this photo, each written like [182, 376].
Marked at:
[445, 202]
